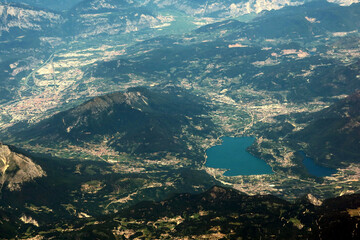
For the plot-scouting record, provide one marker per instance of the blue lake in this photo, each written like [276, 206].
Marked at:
[315, 169]
[232, 155]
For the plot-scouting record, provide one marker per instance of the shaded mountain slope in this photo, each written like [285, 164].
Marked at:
[74, 187]
[332, 136]
[309, 20]
[222, 213]
[137, 121]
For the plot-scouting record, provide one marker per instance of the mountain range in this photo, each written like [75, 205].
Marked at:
[219, 213]
[332, 135]
[197, 8]
[108, 107]
[95, 17]
[137, 121]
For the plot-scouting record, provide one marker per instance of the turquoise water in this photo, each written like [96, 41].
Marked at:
[314, 169]
[232, 155]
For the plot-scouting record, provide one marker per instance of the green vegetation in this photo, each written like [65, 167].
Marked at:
[219, 213]
[64, 98]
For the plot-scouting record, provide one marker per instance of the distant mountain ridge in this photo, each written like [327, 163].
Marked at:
[198, 7]
[17, 19]
[49, 4]
[271, 53]
[229, 8]
[95, 17]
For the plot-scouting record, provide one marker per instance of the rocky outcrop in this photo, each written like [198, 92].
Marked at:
[343, 2]
[16, 169]
[313, 200]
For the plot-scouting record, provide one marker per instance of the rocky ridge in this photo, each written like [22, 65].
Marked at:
[17, 169]
[20, 18]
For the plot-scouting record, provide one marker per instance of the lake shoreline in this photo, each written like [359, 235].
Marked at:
[232, 156]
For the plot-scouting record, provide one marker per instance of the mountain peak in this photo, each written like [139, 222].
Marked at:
[137, 121]
[100, 103]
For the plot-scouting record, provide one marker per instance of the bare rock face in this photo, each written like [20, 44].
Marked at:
[29, 220]
[313, 200]
[16, 169]
[26, 18]
[343, 2]
[226, 8]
